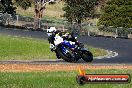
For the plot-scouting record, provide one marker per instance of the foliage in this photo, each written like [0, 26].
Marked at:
[25, 4]
[7, 7]
[79, 10]
[1, 7]
[117, 13]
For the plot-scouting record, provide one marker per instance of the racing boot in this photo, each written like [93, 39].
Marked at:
[57, 55]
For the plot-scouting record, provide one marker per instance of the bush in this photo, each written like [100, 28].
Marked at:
[117, 13]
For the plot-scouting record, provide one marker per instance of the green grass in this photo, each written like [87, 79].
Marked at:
[55, 79]
[18, 48]
[96, 51]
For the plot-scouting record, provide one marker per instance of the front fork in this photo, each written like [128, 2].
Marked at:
[80, 52]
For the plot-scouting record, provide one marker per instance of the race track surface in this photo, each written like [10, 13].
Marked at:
[122, 46]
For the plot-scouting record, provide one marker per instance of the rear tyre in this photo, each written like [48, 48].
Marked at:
[87, 56]
[67, 58]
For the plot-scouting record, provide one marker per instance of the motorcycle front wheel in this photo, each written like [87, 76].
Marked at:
[87, 56]
[69, 56]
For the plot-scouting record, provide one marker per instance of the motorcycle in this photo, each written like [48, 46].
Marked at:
[70, 51]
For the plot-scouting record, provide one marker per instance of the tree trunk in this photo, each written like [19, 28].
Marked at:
[39, 8]
[79, 26]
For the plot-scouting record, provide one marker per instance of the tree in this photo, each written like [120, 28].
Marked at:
[39, 8]
[25, 4]
[102, 3]
[79, 10]
[117, 13]
[8, 7]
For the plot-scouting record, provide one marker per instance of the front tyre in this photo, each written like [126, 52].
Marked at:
[87, 56]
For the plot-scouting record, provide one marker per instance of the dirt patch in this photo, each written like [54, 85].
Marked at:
[53, 67]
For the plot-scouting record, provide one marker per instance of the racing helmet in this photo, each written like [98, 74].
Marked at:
[51, 30]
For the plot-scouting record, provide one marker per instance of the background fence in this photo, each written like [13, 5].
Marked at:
[86, 29]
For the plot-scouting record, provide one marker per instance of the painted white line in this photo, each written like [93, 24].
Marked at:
[25, 30]
[16, 36]
[111, 54]
[16, 29]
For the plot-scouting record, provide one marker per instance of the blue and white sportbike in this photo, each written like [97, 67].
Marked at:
[67, 47]
[68, 50]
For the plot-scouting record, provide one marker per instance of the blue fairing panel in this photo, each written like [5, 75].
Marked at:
[68, 44]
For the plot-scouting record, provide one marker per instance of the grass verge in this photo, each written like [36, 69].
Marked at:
[58, 79]
[18, 48]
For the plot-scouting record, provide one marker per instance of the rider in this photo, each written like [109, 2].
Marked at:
[51, 35]
[52, 32]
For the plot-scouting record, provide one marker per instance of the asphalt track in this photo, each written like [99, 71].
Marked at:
[122, 46]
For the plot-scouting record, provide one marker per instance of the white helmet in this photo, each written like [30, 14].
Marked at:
[51, 30]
